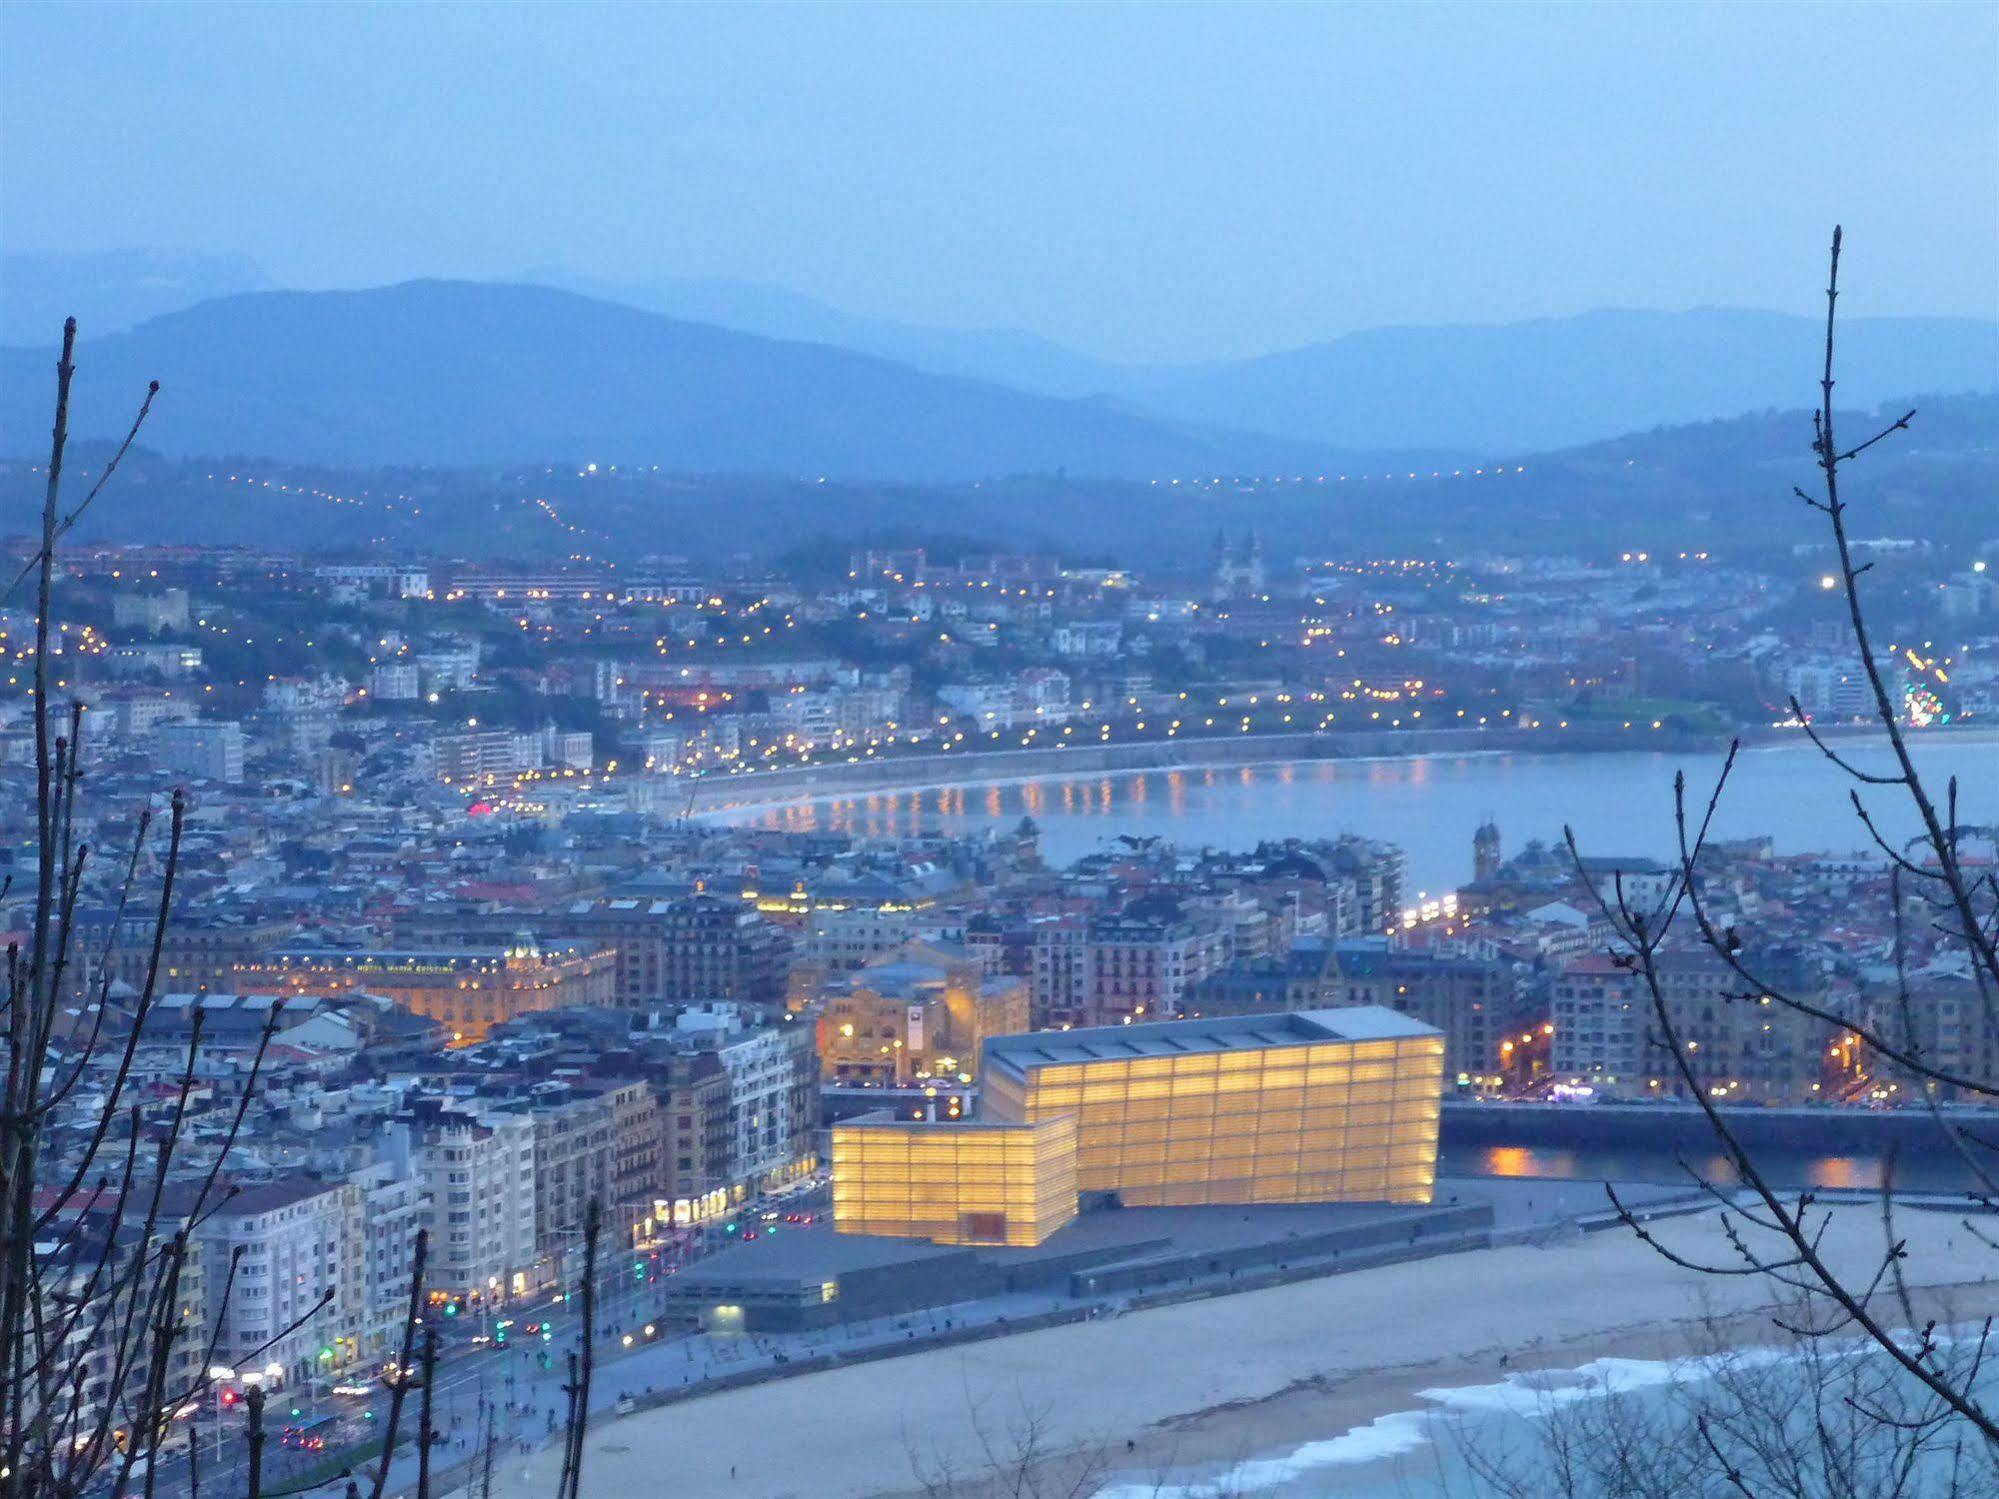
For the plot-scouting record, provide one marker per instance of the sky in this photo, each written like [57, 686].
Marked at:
[1145, 183]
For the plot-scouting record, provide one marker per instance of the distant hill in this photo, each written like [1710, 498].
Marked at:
[463, 373]
[112, 291]
[1722, 485]
[1471, 389]
[1008, 356]
[1558, 382]
[1570, 380]
[1506, 387]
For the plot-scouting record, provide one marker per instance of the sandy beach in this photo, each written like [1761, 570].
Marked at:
[1222, 1378]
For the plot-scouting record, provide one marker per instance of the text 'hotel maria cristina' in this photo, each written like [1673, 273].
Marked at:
[1307, 1106]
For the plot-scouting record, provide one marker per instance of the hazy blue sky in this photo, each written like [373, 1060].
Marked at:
[1139, 182]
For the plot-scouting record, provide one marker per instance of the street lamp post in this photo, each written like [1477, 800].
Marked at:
[221, 1375]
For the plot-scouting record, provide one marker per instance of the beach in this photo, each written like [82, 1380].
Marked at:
[1221, 1379]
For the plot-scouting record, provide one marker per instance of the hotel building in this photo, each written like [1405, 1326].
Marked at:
[469, 991]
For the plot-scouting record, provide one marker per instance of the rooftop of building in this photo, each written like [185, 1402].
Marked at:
[1109, 1043]
[889, 1119]
[807, 1257]
[433, 956]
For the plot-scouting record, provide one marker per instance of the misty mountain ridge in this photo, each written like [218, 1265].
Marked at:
[1007, 356]
[944, 403]
[456, 373]
[1465, 387]
[1560, 382]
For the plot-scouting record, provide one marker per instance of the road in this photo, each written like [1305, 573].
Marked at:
[508, 1391]
[512, 1388]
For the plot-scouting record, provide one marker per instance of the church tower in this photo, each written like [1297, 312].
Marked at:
[1485, 852]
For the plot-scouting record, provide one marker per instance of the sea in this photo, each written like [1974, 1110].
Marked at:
[1619, 1428]
[1619, 803]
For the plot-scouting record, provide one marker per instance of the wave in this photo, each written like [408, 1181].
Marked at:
[1386, 1437]
[1527, 1396]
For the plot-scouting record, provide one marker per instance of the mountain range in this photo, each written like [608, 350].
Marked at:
[727, 376]
[465, 373]
[1483, 388]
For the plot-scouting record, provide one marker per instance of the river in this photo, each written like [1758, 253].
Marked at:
[1618, 802]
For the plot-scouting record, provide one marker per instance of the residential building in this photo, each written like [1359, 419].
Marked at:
[478, 1175]
[202, 749]
[738, 1106]
[295, 1299]
[1146, 959]
[1477, 1000]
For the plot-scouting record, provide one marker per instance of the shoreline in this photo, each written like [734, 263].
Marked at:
[1226, 1377]
[1313, 1411]
[983, 769]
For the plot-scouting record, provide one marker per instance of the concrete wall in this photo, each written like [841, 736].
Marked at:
[1441, 1225]
[1682, 1126]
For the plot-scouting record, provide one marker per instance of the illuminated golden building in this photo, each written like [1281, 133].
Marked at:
[970, 1183]
[1306, 1106]
[925, 1011]
[469, 991]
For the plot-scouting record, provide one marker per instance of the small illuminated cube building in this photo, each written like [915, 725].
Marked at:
[1303, 1106]
[975, 1182]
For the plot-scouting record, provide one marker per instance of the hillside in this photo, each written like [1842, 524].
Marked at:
[1508, 387]
[1006, 356]
[1522, 387]
[469, 374]
[1720, 485]
[1516, 387]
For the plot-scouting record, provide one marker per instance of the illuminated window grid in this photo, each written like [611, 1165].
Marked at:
[1327, 1122]
[976, 1183]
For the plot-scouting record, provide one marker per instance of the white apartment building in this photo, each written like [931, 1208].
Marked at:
[479, 1184]
[768, 1086]
[394, 682]
[390, 1206]
[152, 612]
[292, 1243]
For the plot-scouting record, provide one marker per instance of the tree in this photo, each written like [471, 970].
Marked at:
[1944, 902]
[100, 1347]
[1804, 1418]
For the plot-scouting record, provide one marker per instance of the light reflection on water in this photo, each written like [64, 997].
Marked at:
[1618, 803]
[1918, 1171]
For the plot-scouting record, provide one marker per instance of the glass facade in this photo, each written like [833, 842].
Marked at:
[1301, 1106]
[961, 1183]
[1298, 1120]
